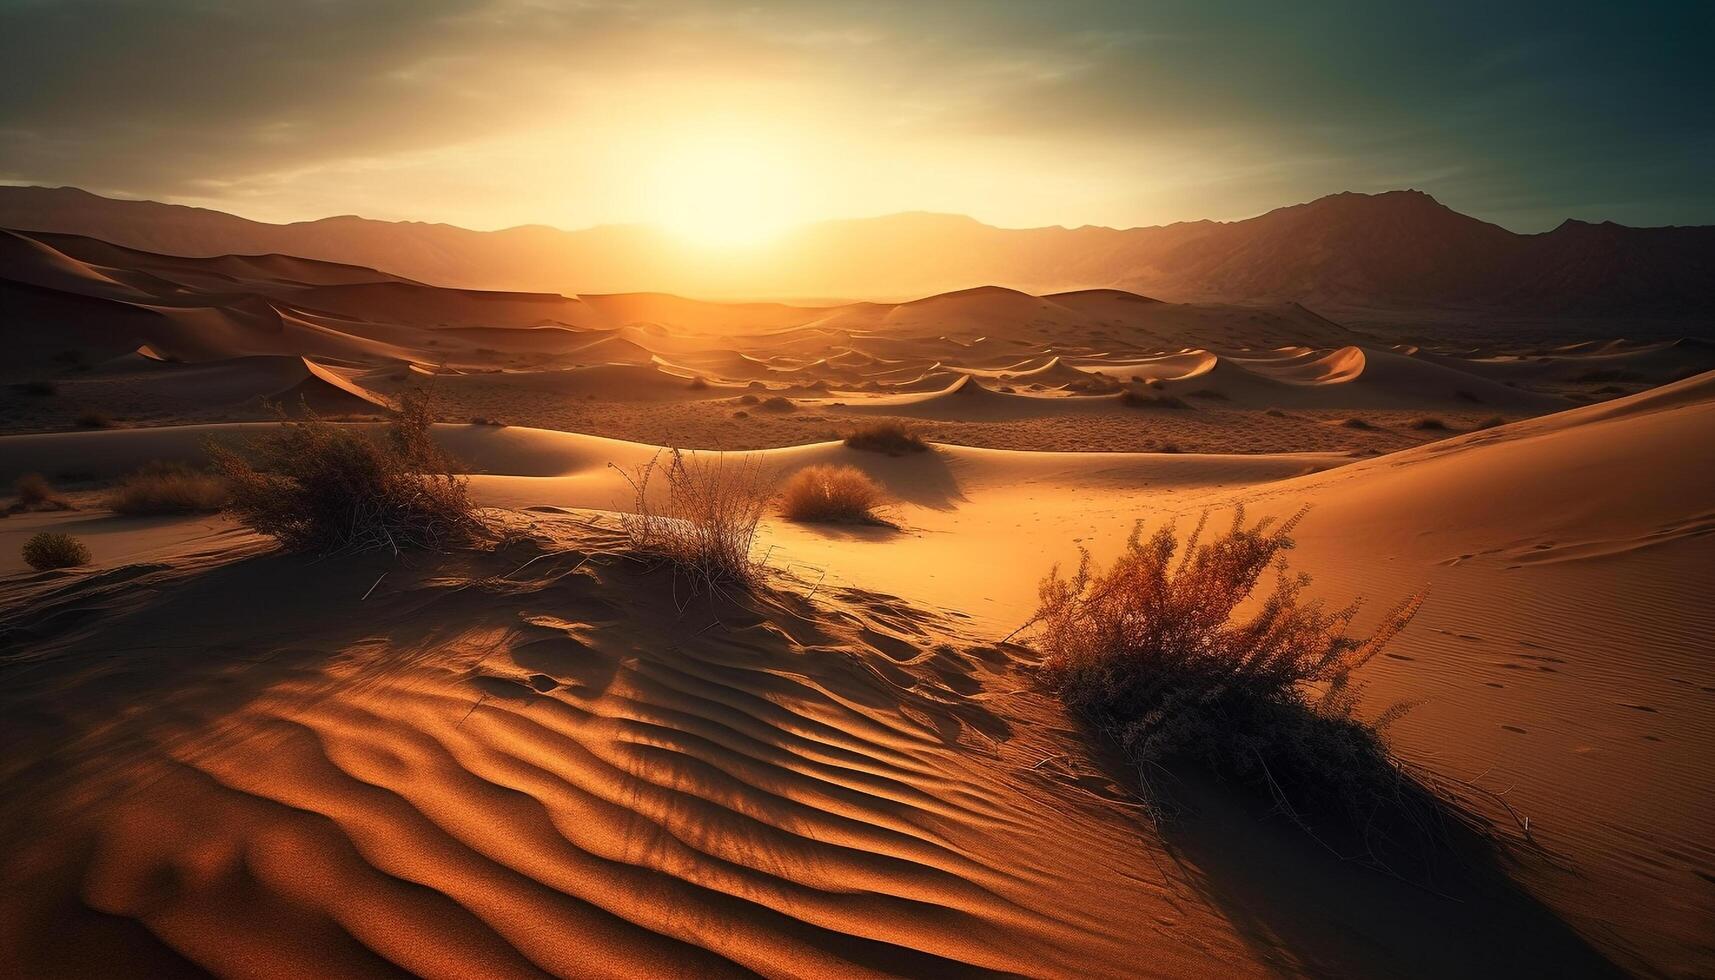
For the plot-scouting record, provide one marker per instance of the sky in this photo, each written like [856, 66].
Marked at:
[732, 120]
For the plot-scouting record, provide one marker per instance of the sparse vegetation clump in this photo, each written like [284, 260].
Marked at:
[1150, 652]
[892, 438]
[168, 488]
[777, 403]
[50, 549]
[34, 492]
[1429, 424]
[831, 495]
[1358, 423]
[326, 488]
[699, 512]
[1134, 398]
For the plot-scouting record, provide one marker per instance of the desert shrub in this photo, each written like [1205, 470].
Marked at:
[93, 420]
[321, 487]
[1489, 423]
[741, 414]
[38, 389]
[892, 438]
[34, 492]
[168, 488]
[1133, 398]
[1169, 447]
[485, 420]
[747, 399]
[1429, 424]
[777, 403]
[831, 494]
[703, 521]
[1357, 423]
[1275, 413]
[53, 550]
[1150, 652]
[697, 383]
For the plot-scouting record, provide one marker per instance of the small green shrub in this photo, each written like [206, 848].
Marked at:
[53, 550]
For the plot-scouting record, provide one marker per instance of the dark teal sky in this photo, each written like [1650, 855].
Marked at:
[494, 112]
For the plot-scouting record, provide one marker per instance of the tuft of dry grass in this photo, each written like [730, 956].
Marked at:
[1133, 398]
[34, 492]
[828, 494]
[703, 519]
[168, 488]
[892, 438]
[1150, 652]
[332, 489]
[50, 549]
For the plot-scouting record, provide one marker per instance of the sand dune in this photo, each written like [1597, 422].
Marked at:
[540, 759]
[584, 798]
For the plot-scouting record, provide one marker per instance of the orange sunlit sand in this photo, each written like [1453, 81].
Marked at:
[787, 574]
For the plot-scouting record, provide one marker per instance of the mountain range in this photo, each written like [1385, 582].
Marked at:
[1393, 253]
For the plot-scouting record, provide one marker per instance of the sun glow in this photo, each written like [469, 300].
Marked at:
[726, 193]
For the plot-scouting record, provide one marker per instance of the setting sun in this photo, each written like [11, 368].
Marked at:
[725, 192]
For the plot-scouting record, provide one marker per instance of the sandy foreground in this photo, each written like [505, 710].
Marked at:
[537, 760]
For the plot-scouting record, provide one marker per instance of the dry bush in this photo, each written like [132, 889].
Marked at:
[1429, 424]
[1357, 423]
[892, 438]
[1133, 398]
[1150, 652]
[831, 494]
[52, 550]
[777, 403]
[703, 521]
[34, 492]
[327, 488]
[1489, 423]
[168, 488]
